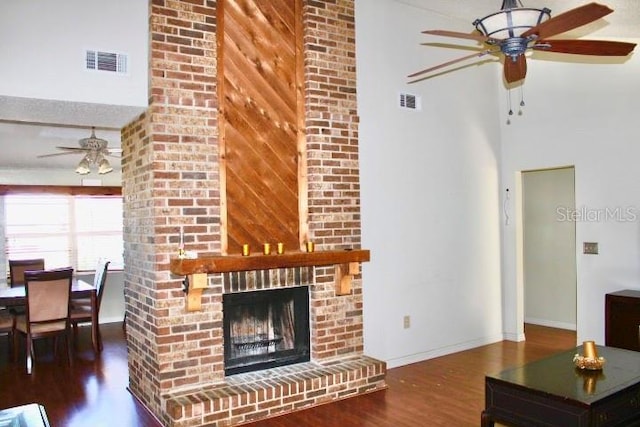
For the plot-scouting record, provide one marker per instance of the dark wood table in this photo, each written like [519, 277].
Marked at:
[552, 392]
[79, 289]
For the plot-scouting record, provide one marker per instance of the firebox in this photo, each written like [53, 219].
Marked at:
[264, 329]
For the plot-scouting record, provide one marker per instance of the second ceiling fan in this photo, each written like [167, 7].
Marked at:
[514, 30]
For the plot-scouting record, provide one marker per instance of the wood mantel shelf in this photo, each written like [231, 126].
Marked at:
[196, 269]
[227, 263]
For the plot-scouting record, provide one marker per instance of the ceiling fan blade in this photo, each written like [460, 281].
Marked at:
[453, 61]
[56, 154]
[71, 148]
[586, 47]
[471, 36]
[515, 70]
[454, 46]
[569, 20]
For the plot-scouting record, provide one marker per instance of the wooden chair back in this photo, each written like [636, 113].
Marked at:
[48, 294]
[100, 279]
[17, 268]
[48, 299]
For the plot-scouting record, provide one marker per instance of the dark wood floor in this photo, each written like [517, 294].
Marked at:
[446, 391]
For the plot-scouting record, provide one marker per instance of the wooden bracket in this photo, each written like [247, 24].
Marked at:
[344, 275]
[195, 284]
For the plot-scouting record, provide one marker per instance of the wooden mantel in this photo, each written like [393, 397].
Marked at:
[227, 263]
[196, 269]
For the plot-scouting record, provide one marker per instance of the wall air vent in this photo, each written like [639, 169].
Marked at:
[106, 61]
[410, 102]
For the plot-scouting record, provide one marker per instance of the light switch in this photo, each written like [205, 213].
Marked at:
[590, 248]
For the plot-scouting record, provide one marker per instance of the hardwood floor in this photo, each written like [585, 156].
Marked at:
[446, 391]
[90, 393]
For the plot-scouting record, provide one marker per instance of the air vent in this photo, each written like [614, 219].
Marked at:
[410, 102]
[106, 61]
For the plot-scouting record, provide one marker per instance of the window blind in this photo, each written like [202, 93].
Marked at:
[65, 230]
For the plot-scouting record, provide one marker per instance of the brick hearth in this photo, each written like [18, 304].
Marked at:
[248, 397]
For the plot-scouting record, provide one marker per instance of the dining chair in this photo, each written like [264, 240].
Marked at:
[81, 311]
[17, 267]
[48, 297]
[7, 323]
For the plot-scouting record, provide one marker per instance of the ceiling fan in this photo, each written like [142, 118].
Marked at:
[95, 152]
[514, 30]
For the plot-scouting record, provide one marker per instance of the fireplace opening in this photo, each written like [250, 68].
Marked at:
[265, 329]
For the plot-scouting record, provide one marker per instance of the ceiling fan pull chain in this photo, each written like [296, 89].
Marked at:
[509, 104]
[521, 99]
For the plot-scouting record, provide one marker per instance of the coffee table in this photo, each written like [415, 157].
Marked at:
[552, 392]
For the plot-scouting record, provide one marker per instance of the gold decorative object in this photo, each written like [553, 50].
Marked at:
[590, 360]
[280, 248]
[590, 364]
[310, 247]
[267, 249]
[245, 250]
[589, 349]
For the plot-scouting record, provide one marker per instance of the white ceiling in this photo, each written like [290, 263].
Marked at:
[32, 127]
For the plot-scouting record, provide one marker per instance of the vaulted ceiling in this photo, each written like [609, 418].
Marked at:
[29, 127]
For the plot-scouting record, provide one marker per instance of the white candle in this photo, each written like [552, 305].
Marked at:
[181, 237]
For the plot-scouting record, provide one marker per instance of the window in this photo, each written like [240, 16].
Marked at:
[65, 230]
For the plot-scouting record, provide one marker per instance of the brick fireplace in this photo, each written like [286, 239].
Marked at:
[172, 191]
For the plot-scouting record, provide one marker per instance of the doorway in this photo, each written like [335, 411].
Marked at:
[549, 247]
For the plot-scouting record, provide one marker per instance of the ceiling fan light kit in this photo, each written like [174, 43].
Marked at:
[512, 20]
[104, 166]
[83, 167]
[515, 29]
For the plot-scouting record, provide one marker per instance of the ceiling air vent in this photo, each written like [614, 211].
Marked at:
[410, 102]
[106, 61]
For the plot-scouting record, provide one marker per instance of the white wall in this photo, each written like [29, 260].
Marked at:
[584, 115]
[43, 45]
[430, 182]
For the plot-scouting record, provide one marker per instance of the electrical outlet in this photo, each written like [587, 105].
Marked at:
[407, 322]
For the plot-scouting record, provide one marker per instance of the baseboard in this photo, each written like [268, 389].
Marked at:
[104, 320]
[111, 319]
[551, 323]
[443, 351]
[514, 337]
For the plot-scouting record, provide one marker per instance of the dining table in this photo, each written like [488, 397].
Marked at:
[15, 296]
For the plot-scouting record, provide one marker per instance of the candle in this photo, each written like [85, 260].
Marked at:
[310, 246]
[245, 250]
[281, 248]
[267, 249]
[181, 253]
[589, 350]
